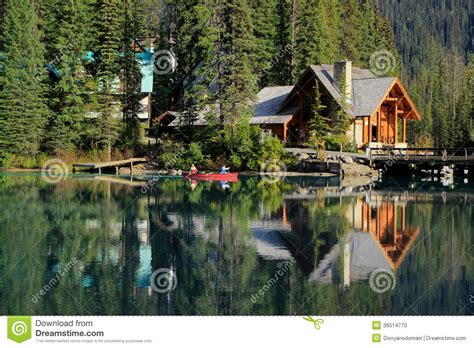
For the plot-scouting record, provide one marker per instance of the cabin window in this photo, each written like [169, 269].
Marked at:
[307, 103]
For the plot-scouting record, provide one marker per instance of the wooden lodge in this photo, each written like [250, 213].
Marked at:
[379, 106]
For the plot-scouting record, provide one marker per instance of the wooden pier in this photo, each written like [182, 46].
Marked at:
[405, 160]
[114, 164]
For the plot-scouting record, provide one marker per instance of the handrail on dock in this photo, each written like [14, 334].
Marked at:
[443, 154]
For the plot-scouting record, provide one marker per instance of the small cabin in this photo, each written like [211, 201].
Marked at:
[379, 106]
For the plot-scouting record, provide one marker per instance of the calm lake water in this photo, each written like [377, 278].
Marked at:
[91, 246]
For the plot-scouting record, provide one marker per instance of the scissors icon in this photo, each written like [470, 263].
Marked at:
[316, 322]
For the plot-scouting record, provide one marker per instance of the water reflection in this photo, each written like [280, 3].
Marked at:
[101, 238]
[379, 238]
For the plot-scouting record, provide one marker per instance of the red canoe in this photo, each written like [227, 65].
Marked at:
[232, 177]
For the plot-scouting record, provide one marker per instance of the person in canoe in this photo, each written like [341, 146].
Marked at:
[193, 169]
[224, 170]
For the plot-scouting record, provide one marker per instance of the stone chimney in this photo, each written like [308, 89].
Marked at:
[343, 75]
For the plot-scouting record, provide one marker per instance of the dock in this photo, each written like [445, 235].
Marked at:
[409, 160]
[113, 164]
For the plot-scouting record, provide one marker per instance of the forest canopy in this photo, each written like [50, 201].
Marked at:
[60, 63]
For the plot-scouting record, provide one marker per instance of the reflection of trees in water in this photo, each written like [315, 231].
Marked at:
[223, 246]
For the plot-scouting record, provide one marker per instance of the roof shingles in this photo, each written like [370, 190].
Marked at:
[367, 92]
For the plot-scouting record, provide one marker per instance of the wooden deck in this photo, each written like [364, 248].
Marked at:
[423, 156]
[114, 164]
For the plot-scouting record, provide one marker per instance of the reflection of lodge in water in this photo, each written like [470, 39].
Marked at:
[378, 238]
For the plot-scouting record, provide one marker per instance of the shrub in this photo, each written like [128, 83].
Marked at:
[193, 154]
[271, 149]
[29, 163]
[170, 154]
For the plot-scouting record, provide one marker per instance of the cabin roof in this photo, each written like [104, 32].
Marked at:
[366, 256]
[368, 93]
[367, 89]
[269, 100]
[268, 105]
[357, 73]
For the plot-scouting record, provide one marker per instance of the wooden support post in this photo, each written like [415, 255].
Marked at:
[378, 125]
[388, 125]
[403, 218]
[395, 221]
[131, 167]
[100, 170]
[370, 129]
[116, 170]
[404, 129]
[396, 124]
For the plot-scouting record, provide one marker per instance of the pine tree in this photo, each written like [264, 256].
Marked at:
[319, 125]
[67, 39]
[196, 55]
[352, 24]
[265, 21]
[317, 41]
[236, 78]
[23, 112]
[463, 124]
[283, 72]
[440, 111]
[131, 74]
[108, 45]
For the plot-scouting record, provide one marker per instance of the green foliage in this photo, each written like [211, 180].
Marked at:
[271, 149]
[170, 154]
[318, 35]
[66, 39]
[334, 142]
[131, 75]
[226, 51]
[108, 44]
[176, 156]
[240, 141]
[436, 66]
[193, 154]
[23, 111]
[319, 125]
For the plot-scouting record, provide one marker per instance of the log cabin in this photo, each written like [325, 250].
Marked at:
[379, 107]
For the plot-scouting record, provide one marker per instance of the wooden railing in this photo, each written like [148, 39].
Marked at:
[418, 153]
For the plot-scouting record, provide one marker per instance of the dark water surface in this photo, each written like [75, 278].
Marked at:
[89, 246]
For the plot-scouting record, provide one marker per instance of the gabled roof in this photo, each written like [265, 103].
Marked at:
[368, 93]
[367, 89]
[357, 73]
[269, 100]
[326, 78]
[267, 108]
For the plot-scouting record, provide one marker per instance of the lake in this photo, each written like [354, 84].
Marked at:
[103, 245]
